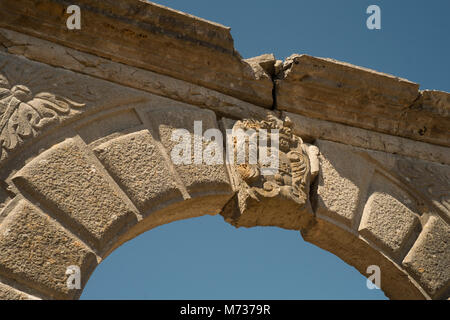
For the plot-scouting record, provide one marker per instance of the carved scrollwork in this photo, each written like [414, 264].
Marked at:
[295, 172]
[23, 115]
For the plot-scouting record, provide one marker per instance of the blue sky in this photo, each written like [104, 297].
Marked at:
[205, 258]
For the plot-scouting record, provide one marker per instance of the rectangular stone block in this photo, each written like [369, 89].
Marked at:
[429, 258]
[340, 92]
[198, 178]
[343, 179]
[388, 222]
[35, 250]
[139, 167]
[72, 185]
[343, 84]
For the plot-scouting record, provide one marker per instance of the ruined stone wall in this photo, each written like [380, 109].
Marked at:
[85, 158]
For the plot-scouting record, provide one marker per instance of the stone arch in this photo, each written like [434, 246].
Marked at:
[102, 179]
[86, 144]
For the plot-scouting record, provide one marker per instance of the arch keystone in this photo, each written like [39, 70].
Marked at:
[263, 190]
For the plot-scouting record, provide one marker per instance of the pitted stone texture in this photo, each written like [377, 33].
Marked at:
[429, 258]
[8, 293]
[198, 178]
[343, 178]
[35, 250]
[137, 164]
[387, 221]
[72, 185]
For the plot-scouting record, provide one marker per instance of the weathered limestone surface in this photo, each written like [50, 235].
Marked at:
[386, 209]
[387, 220]
[86, 147]
[130, 76]
[135, 162]
[343, 179]
[67, 180]
[147, 36]
[311, 129]
[340, 92]
[197, 176]
[9, 293]
[429, 258]
[34, 246]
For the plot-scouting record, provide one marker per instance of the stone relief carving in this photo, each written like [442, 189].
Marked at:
[294, 174]
[23, 114]
[298, 164]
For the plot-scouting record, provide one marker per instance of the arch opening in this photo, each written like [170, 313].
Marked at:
[203, 258]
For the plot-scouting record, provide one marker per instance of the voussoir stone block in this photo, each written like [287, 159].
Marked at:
[429, 259]
[67, 180]
[387, 221]
[343, 178]
[35, 250]
[199, 178]
[137, 164]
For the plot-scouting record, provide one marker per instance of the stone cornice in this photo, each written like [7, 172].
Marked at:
[331, 90]
[148, 36]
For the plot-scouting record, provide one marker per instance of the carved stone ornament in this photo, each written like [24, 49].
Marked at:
[24, 115]
[290, 183]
